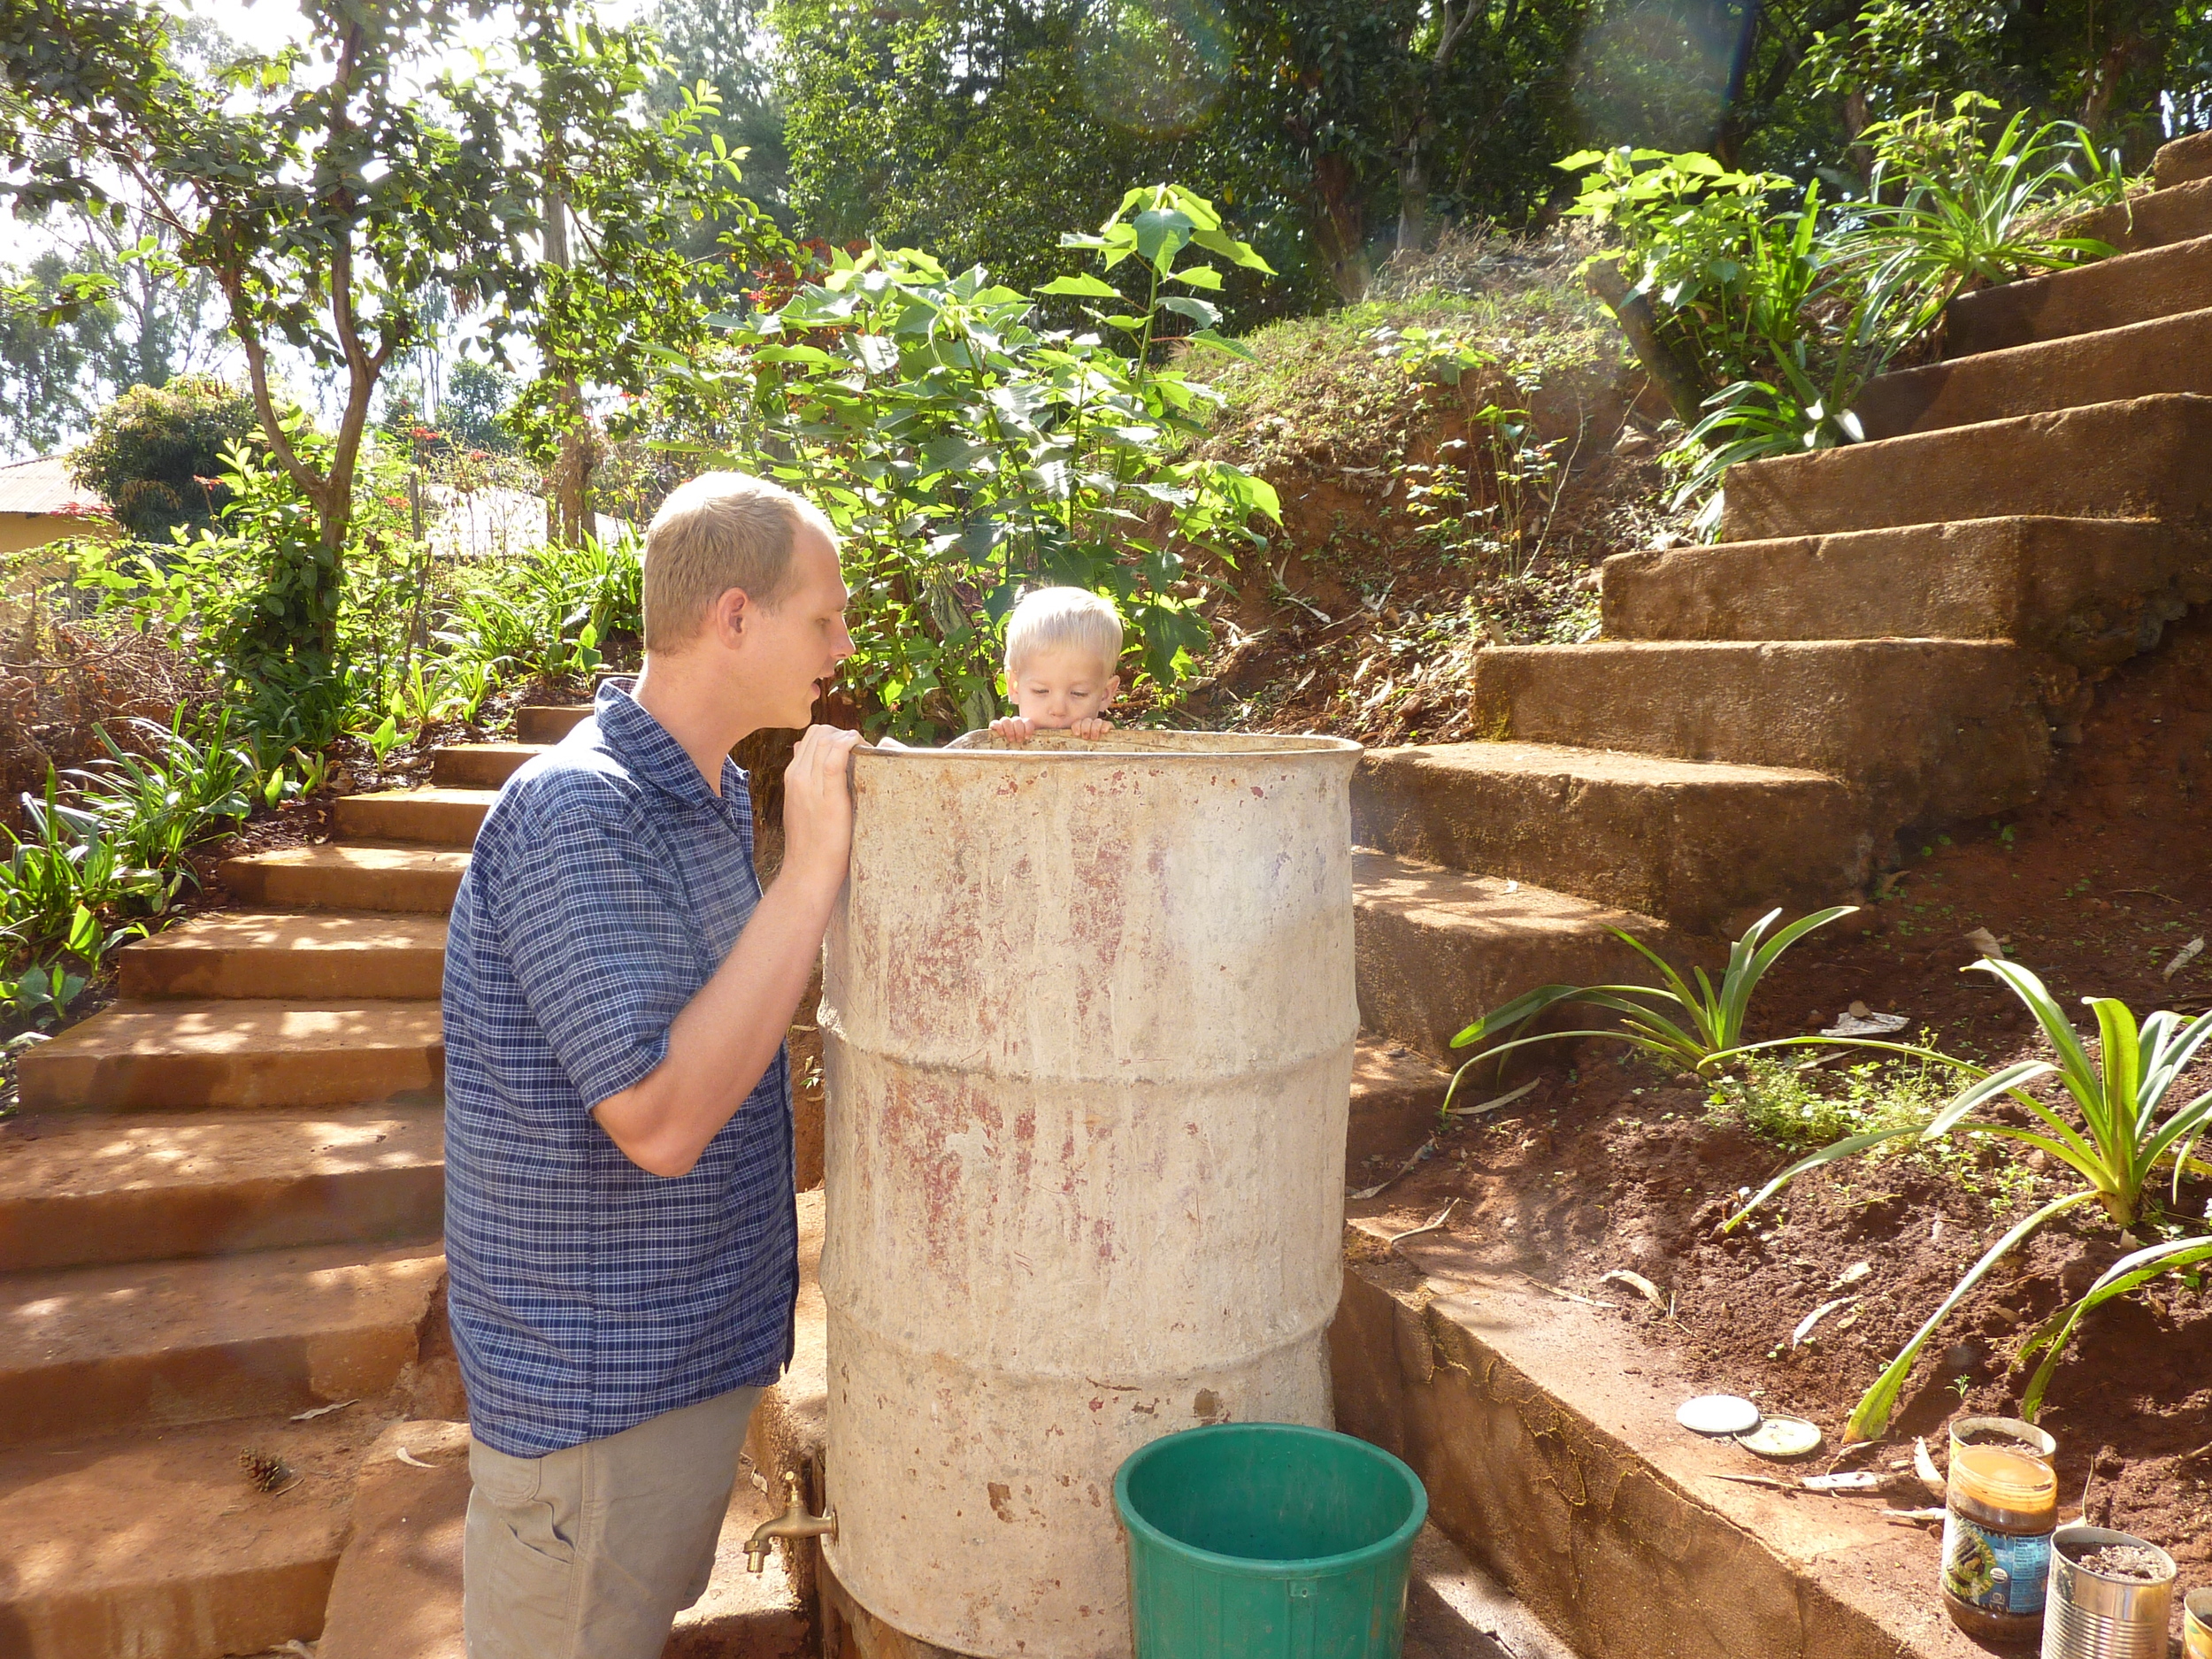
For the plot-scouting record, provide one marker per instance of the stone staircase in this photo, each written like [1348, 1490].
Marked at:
[1891, 635]
[221, 1212]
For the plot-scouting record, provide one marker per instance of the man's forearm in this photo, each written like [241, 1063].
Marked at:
[722, 1043]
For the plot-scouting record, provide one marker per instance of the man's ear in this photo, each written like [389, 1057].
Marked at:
[731, 615]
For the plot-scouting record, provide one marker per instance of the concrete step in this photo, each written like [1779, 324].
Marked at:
[350, 876]
[2091, 591]
[2182, 160]
[2143, 458]
[543, 723]
[1927, 730]
[188, 1053]
[479, 765]
[2157, 221]
[2167, 354]
[1396, 1095]
[397, 1591]
[95, 1350]
[2110, 294]
[1438, 948]
[77, 1191]
[152, 1545]
[1690, 841]
[442, 818]
[279, 953]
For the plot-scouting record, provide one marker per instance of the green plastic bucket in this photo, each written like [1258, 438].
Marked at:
[1268, 1540]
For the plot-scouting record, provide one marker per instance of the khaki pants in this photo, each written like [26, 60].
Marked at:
[591, 1553]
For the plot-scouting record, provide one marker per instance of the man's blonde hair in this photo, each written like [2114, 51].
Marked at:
[717, 532]
[1049, 617]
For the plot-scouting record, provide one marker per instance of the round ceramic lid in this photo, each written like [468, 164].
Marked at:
[1783, 1437]
[1717, 1414]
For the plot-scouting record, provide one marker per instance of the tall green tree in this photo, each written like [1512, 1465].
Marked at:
[730, 46]
[977, 129]
[62, 360]
[326, 188]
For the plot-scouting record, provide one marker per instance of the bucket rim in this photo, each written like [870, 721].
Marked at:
[1300, 1567]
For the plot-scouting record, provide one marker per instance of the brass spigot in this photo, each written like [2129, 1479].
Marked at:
[794, 1523]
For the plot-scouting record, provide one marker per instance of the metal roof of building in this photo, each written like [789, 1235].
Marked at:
[42, 485]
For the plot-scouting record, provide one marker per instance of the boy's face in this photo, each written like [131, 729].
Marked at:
[1058, 686]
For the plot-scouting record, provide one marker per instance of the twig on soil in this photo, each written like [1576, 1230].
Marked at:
[1492, 1105]
[1924, 1466]
[1757, 1481]
[1442, 1216]
[1568, 1295]
[1805, 1325]
[1405, 1169]
[1636, 1282]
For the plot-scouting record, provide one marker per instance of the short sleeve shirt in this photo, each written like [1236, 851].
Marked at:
[607, 885]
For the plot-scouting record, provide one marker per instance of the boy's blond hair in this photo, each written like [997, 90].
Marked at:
[1049, 617]
[717, 532]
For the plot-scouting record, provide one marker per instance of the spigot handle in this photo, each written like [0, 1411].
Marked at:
[791, 1486]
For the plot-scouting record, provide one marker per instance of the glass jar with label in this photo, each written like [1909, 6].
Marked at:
[2000, 1509]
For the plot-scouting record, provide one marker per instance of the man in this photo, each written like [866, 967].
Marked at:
[619, 1218]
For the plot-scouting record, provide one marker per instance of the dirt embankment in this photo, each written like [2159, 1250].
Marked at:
[1423, 521]
[2097, 888]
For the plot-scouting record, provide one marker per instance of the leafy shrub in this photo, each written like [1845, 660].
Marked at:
[1782, 306]
[156, 453]
[1950, 209]
[964, 446]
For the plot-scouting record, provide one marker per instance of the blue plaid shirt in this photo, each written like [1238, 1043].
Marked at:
[607, 885]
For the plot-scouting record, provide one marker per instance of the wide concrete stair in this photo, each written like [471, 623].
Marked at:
[220, 1213]
[1888, 636]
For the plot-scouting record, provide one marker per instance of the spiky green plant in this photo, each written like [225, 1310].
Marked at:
[2120, 1134]
[1703, 1024]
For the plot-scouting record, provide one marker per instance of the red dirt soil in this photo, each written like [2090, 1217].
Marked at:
[1613, 1165]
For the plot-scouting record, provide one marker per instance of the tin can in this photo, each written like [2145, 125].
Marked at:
[2096, 1616]
[2000, 1507]
[2196, 1624]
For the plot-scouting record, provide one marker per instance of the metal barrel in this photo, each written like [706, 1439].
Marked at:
[1087, 1024]
[2090, 1616]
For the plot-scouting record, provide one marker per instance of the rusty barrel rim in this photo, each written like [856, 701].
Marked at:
[1131, 743]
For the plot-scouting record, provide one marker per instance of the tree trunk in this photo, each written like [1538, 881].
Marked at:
[1340, 230]
[1684, 387]
[1729, 140]
[1413, 201]
[569, 503]
[567, 510]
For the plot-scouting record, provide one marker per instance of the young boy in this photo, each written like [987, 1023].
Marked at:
[1062, 646]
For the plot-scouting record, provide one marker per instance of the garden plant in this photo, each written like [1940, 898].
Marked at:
[1781, 303]
[2120, 1135]
[965, 438]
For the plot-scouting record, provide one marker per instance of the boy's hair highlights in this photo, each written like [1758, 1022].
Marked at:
[1049, 617]
[717, 532]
